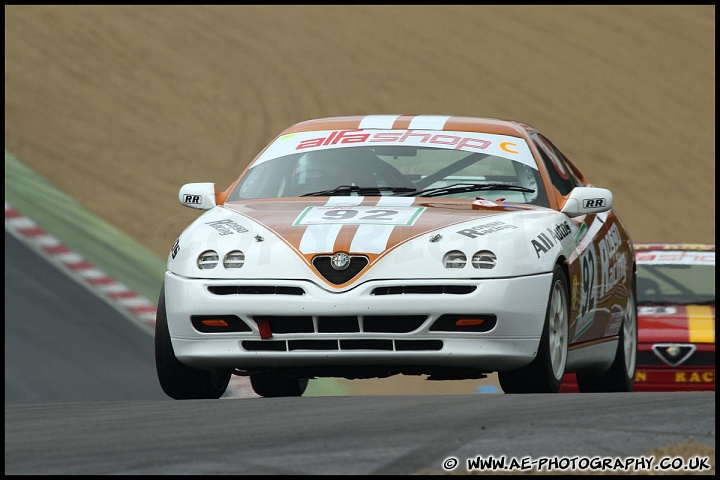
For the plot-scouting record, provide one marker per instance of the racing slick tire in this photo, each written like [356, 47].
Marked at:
[278, 385]
[180, 381]
[545, 373]
[620, 377]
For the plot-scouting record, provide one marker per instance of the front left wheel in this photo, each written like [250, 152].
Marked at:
[180, 381]
[544, 374]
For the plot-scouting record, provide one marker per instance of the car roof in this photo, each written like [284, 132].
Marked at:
[687, 247]
[416, 122]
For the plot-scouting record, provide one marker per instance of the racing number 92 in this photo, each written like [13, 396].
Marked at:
[344, 214]
[359, 215]
[588, 282]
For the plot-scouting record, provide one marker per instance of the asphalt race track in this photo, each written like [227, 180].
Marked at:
[81, 398]
[340, 435]
[63, 344]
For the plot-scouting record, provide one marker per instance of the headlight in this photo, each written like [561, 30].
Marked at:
[207, 260]
[234, 259]
[484, 259]
[454, 259]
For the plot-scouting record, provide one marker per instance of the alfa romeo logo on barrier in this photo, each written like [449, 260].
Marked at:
[340, 261]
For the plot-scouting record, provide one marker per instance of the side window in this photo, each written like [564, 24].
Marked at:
[562, 176]
[573, 171]
[270, 179]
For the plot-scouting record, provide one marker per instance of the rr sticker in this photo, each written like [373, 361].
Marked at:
[594, 203]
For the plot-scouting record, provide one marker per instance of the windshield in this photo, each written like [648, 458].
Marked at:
[394, 170]
[676, 284]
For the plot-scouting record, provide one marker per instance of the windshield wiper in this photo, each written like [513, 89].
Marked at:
[348, 189]
[657, 303]
[705, 302]
[465, 187]
[665, 303]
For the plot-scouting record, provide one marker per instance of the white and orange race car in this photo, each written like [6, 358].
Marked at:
[676, 318]
[371, 246]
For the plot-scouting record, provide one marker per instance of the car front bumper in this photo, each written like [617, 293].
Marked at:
[517, 304]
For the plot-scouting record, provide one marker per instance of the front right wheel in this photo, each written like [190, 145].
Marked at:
[278, 384]
[544, 374]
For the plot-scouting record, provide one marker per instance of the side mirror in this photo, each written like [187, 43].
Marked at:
[585, 200]
[198, 195]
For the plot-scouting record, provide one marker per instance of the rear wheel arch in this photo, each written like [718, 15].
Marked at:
[620, 377]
